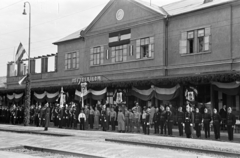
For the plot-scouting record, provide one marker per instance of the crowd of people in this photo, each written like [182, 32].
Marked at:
[136, 119]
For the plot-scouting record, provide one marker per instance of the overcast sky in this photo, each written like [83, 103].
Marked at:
[51, 21]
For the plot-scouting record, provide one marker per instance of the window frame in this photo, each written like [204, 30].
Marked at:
[71, 61]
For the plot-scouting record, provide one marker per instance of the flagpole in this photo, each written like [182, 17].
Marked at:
[28, 81]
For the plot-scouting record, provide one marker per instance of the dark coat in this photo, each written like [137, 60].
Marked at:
[231, 119]
[47, 116]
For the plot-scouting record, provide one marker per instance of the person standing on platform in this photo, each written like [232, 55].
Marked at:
[105, 124]
[14, 114]
[36, 115]
[223, 114]
[231, 121]
[47, 116]
[144, 115]
[55, 115]
[151, 113]
[96, 118]
[91, 117]
[163, 120]
[70, 117]
[147, 122]
[66, 116]
[180, 118]
[198, 123]
[131, 120]
[74, 117]
[206, 122]
[7, 115]
[137, 115]
[113, 117]
[60, 116]
[32, 115]
[169, 120]
[121, 121]
[86, 112]
[188, 122]
[41, 116]
[82, 119]
[126, 120]
[216, 123]
[156, 121]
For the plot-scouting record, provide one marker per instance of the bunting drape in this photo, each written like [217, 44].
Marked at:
[227, 88]
[15, 97]
[159, 93]
[45, 96]
[95, 95]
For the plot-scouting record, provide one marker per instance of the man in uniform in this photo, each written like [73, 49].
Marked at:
[74, 113]
[113, 117]
[188, 122]
[163, 120]
[169, 120]
[223, 114]
[86, 112]
[156, 121]
[231, 121]
[126, 120]
[198, 123]
[147, 122]
[37, 115]
[60, 116]
[121, 121]
[55, 115]
[206, 122]
[47, 116]
[137, 115]
[180, 118]
[32, 115]
[216, 124]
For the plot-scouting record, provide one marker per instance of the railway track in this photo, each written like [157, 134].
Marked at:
[182, 148]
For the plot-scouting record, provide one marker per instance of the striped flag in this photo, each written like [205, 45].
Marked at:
[20, 52]
[119, 38]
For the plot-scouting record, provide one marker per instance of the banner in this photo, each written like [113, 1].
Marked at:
[45, 96]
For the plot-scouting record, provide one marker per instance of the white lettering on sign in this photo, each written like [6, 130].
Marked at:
[87, 79]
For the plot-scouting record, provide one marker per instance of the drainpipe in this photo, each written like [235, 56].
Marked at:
[166, 45]
[231, 36]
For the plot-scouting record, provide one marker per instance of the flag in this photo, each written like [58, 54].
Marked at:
[20, 52]
[21, 81]
[119, 38]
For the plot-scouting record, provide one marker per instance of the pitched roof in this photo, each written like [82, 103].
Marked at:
[185, 6]
[75, 35]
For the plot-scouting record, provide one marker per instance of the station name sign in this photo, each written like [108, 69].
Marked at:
[87, 79]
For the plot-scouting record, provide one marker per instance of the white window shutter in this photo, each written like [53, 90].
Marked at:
[91, 57]
[66, 61]
[207, 43]
[77, 64]
[183, 46]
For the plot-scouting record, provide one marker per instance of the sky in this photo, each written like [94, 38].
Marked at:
[51, 20]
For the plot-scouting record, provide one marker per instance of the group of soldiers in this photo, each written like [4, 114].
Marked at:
[193, 119]
[13, 115]
[107, 117]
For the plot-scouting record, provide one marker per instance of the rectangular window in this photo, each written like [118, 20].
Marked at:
[96, 55]
[145, 48]
[71, 60]
[195, 41]
[119, 53]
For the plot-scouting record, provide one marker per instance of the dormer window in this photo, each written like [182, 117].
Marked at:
[207, 1]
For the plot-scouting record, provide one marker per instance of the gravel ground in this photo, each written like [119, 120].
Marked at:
[41, 154]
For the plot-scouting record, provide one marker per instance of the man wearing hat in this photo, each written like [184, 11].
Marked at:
[163, 119]
[231, 121]
[169, 120]
[198, 123]
[180, 118]
[216, 123]
[60, 116]
[147, 121]
[188, 122]
[47, 116]
[206, 122]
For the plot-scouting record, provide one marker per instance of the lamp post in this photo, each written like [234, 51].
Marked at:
[83, 88]
[28, 79]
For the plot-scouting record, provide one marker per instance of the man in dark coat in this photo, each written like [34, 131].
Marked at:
[206, 122]
[47, 116]
[169, 120]
[60, 116]
[216, 124]
[223, 114]
[198, 123]
[188, 122]
[231, 121]
[180, 118]
[156, 121]
[163, 120]
[37, 115]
